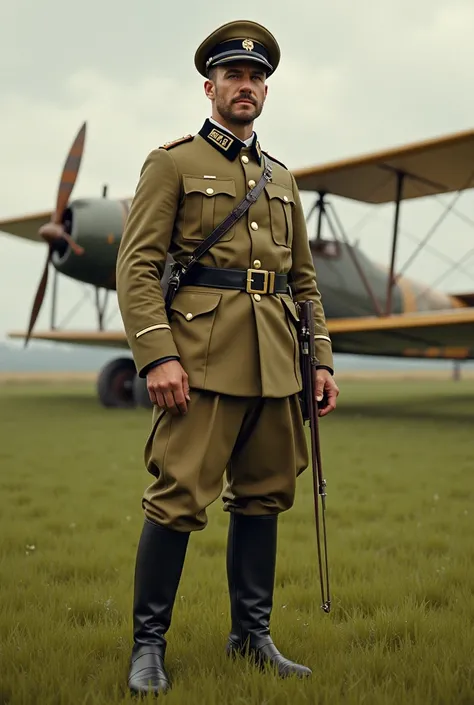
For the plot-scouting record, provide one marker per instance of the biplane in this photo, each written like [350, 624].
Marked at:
[369, 311]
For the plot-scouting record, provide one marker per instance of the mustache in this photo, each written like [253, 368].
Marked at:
[245, 96]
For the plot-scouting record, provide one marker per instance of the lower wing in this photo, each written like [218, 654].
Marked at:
[106, 339]
[433, 334]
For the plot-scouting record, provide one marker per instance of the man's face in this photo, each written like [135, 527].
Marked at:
[238, 91]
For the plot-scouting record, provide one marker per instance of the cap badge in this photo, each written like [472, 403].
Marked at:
[248, 44]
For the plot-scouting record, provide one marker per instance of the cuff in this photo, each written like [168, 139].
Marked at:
[325, 367]
[324, 353]
[156, 363]
[152, 345]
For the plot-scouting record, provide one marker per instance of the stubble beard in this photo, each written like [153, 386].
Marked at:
[226, 111]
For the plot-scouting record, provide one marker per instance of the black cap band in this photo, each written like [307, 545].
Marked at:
[238, 50]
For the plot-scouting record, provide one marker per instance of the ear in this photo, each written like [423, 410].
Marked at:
[210, 90]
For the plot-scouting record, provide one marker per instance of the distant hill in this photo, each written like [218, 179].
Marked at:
[50, 357]
[47, 357]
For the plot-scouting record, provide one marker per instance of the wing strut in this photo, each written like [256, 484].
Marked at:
[335, 224]
[391, 279]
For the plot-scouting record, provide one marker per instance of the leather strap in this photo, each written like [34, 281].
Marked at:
[233, 217]
[254, 281]
[179, 270]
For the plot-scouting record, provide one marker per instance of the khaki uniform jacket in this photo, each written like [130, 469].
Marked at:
[228, 341]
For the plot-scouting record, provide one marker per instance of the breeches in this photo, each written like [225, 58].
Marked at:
[258, 444]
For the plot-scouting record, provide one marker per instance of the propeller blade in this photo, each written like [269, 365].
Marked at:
[70, 172]
[54, 231]
[39, 295]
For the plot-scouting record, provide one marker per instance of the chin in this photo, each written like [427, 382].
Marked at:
[244, 113]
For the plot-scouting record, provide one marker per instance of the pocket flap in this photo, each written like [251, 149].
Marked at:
[290, 306]
[208, 187]
[281, 192]
[194, 303]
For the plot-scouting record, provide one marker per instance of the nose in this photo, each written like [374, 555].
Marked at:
[246, 88]
[246, 83]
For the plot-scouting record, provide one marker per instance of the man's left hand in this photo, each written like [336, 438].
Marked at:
[327, 387]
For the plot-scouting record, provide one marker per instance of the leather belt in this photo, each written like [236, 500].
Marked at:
[253, 281]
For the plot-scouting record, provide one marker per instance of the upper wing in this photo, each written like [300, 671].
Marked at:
[431, 167]
[436, 334]
[27, 226]
[434, 166]
[106, 339]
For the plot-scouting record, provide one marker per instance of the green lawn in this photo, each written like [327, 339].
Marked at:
[399, 462]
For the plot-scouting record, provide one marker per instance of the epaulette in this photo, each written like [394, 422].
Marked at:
[274, 160]
[181, 140]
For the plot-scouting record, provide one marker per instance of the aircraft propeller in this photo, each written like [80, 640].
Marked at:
[54, 232]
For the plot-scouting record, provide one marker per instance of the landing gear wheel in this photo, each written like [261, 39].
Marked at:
[115, 383]
[140, 393]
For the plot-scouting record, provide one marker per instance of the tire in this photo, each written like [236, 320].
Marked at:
[115, 383]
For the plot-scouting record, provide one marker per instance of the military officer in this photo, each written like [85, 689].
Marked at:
[223, 368]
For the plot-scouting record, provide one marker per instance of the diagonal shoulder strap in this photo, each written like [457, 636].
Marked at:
[178, 270]
[233, 217]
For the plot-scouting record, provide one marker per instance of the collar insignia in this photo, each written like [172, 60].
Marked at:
[226, 144]
[221, 140]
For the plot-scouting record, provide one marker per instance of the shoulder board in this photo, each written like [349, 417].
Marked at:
[181, 140]
[274, 160]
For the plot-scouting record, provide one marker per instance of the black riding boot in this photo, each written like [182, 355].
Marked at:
[159, 563]
[251, 559]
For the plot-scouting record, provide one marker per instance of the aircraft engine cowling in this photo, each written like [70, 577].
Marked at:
[96, 224]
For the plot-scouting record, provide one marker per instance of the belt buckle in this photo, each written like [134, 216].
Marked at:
[267, 284]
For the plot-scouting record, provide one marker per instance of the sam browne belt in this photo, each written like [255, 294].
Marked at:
[178, 271]
[253, 281]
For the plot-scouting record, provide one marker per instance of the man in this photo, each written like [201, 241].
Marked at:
[223, 369]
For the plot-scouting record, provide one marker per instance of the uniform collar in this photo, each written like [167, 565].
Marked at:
[247, 142]
[227, 143]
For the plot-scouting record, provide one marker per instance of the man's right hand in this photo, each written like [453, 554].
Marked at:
[168, 387]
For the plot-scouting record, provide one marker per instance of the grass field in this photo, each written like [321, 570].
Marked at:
[399, 461]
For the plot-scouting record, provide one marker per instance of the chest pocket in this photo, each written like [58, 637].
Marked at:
[206, 203]
[281, 203]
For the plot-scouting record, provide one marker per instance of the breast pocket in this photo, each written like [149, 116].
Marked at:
[281, 203]
[206, 203]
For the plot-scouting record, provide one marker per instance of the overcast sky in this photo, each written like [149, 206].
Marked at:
[354, 77]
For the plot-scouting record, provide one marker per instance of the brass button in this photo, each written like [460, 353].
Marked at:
[209, 191]
[254, 225]
[245, 159]
[257, 264]
[189, 316]
[285, 198]
[251, 183]
[257, 297]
